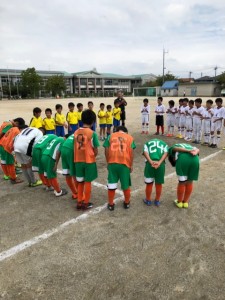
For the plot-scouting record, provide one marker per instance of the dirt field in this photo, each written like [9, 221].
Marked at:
[141, 253]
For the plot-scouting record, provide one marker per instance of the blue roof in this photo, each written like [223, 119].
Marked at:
[170, 85]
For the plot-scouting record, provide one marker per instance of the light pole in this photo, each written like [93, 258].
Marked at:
[215, 69]
[164, 53]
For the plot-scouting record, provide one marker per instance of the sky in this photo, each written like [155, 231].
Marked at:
[114, 36]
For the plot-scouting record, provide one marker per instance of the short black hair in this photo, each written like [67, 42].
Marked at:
[102, 104]
[79, 105]
[36, 110]
[145, 100]
[71, 104]
[43, 130]
[220, 100]
[186, 100]
[122, 128]
[48, 110]
[198, 100]
[90, 102]
[160, 98]
[209, 101]
[116, 101]
[20, 121]
[58, 106]
[191, 102]
[88, 117]
[181, 100]
[171, 102]
[108, 106]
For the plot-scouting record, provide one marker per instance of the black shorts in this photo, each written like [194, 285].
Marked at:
[159, 121]
[123, 115]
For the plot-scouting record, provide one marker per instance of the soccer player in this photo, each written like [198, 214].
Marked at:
[171, 111]
[159, 121]
[116, 115]
[109, 119]
[49, 160]
[177, 116]
[85, 151]
[155, 152]
[183, 110]
[122, 105]
[145, 112]
[185, 158]
[49, 122]
[23, 146]
[60, 121]
[217, 123]
[79, 113]
[36, 121]
[91, 107]
[119, 155]
[72, 119]
[207, 122]
[189, 121]
[102, 121]
[197, 120]
[37, 152]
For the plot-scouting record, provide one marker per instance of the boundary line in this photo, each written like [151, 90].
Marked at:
[47, 234]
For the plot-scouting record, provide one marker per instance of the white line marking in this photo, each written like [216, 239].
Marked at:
[27, 244]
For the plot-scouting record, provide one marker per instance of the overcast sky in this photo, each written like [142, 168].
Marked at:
[114, 36]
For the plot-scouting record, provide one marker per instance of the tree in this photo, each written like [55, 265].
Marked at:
[221, 79]
[159, 80]
[56, 85]
[31, 82]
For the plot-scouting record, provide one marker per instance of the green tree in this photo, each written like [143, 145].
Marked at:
[31, 82]
[221, 79]
[56, 85]
[159, 80]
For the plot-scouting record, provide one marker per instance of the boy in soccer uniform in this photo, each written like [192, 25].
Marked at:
[60, 121]
[183, 110]
[145, 112]
[159, 121]
[217, 123]
[102, 121]
[171, 111]
[177, 116]
[49, 160]
[207, 120]
[91, 107]
[49, 122]
[185, 158]
[109, 119]
[37, 152]
[189, 121]
[155, 152]
[79, 113]
[69, 171]
[116, 115]
[197, 120]
[119, 148]
[36, 121]
[72, 119]
[85, 151]
[23, 146]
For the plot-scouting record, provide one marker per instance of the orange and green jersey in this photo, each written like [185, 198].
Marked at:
[60, 119]
[116, 113]
[102, 117]
[85, 140]
[53, 147]
[109, 117]
[7, 140]
[6, 125]
[44, 141]
[155, 149]
[72, 117]
[49, 123]
[36, 122]
[120, 146]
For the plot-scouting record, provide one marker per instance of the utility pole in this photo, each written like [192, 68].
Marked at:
[190, 73]
[215, 69]
[164, 53]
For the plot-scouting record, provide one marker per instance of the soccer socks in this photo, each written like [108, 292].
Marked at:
[162, 128]
[4, 169]
[180, 191]
[148, 191]
[126, 196]
[188, 191]
[44, 180]
[217, 140]
[55, 184]
[71, 184]
[11, 171]
[157, 130]
[158, 191]
[111, 195]
[143, 127]
[80, 191]
[87, 191]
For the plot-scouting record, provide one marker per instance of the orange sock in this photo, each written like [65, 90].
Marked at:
[111, 195]
[11, 171]
[71, 184]
[80, 190]
[4, 169]
[43, 179]
[180, 191]
[54, 182]
[148, 191]
[87, 188]
[158, 190]
[188, 191]
[76, 183]
[127, 196]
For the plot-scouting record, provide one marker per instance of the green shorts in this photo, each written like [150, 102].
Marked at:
[37, 165]
[48, 164]
[151, 174]
[118, 172]
[68, 165]
[6, 157]
[86, 172]
[187, 167]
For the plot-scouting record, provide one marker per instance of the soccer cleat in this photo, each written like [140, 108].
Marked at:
[86, 206]
[185, 205]
[179, 136]
[147, 202]
[157, 203]
[156, 133]
[223, 148]
[15, 181]
[49, 189]
[37, 183]
[142, 132]
[178, 204]
[205, 144]
[5, 177]
[210, 145]
[189, 140]
[214, 146]
[146, 132]
[110, 207]
[168, 135]
[126, 205]
[61, 193]
[79, 205]
[186, 138]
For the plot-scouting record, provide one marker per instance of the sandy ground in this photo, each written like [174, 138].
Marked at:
[140, 253]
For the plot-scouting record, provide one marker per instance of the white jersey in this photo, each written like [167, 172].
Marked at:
[171, 111]
[183, 111]
[189, 112]
[208, 113]
[178, 111]
[199, 110]
[25, 141]
[218, 113]
[160, 110]
[145, 110]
